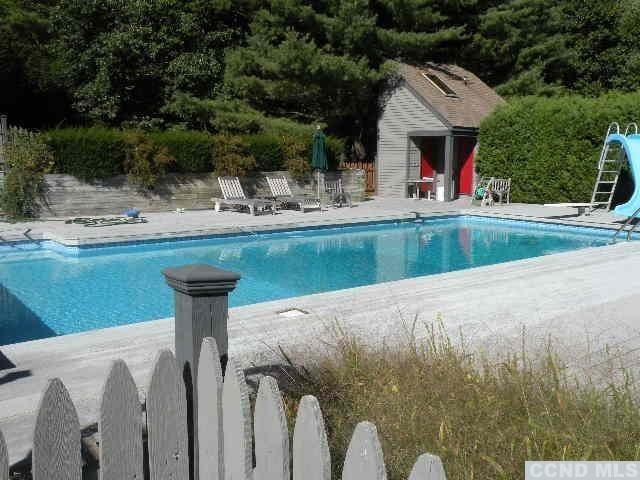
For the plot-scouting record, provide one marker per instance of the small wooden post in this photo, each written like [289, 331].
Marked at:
[202, 308]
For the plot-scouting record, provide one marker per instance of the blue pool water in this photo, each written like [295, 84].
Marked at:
[47, 289]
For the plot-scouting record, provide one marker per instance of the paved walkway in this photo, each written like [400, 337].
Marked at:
[585, 301]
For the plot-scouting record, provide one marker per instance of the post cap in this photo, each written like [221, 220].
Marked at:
[200, 279]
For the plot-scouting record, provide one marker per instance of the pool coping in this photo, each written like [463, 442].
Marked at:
[315, 223]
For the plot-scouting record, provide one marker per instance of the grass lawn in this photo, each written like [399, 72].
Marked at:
[483, 418]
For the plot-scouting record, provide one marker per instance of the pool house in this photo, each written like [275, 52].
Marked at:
[427, 133]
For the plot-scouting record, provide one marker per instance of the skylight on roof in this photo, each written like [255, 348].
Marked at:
[440, 85]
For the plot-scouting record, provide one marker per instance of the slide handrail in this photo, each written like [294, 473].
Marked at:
[614, 128]
[629, 126]
[625, 224]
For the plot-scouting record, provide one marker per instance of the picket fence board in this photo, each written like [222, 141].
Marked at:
[428, 467]
[236, 422]
[224, 424]
[311, 457]
[56, 438]
[120, 425]
[271, 433]
[210, 440]
[4, 459]
[167, 420]
[364, 460]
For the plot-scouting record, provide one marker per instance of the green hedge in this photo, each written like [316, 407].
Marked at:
[87, 153]
[550, 146]
[266, 148]
[192, 150]
[94, 153]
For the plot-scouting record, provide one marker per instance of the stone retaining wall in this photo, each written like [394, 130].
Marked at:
[65, 195]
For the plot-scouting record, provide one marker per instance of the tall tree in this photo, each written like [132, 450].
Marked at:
[27, 94]
[327, 60]
[604, 40]
[522, 46]
[548, 47]
[126, 60]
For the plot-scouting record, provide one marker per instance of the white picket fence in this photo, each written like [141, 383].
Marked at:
[225, 435]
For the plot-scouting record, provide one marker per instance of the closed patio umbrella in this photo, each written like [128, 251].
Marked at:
[319, 156]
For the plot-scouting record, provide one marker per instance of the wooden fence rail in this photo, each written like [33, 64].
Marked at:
[225, 436]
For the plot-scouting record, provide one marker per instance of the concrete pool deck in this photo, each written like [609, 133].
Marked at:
[585, 301]
[207, 222]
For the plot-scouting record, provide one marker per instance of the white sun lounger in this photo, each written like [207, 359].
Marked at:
[282, 193]
[233, 195]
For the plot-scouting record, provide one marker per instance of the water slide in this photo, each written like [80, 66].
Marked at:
[631, 145]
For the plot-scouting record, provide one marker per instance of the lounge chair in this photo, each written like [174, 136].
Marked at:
[282, 194]
[233, 195]
[337, 196]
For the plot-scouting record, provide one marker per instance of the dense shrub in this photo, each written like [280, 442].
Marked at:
[550, 146]
[191, 150]
[87, 153]
[145, 161]
[297, 155]
[95, 153]
[28, 159]
[267, 149]
[232, 156]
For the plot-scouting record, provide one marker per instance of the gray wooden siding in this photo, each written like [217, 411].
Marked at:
[402, 113]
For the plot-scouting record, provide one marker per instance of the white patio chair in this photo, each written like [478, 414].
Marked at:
[337, 196]
[502, 188]
[282, 193]
[233, 195]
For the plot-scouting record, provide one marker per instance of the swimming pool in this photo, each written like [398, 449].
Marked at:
[47, 289]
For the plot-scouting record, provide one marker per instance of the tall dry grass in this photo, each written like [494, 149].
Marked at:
[484, 418]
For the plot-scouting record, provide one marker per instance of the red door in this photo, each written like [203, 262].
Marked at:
[466, 152]
[426, 158]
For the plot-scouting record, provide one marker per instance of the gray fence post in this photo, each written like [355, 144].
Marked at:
[201, 304]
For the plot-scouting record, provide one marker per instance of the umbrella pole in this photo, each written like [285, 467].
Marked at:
[318, 182]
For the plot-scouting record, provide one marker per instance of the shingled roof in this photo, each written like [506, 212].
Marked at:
[461, 98]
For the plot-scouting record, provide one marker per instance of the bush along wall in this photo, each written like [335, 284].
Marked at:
[550, 146]
[99, 153]
[87, 153]
[191, 150]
